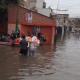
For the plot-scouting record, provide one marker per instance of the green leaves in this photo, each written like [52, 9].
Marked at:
[4, 3]
[12, 1]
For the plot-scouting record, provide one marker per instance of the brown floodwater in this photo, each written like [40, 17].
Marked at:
[47, 64]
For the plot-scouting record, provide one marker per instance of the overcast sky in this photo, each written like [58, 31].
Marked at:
[73, 6]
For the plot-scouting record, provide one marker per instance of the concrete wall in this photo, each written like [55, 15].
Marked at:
[47, 31]
[39, 4]
[44, 11]
[11, 27]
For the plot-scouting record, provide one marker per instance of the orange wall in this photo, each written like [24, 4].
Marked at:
[37, 19]
[47, 24]
[47, 31]
[26, 29]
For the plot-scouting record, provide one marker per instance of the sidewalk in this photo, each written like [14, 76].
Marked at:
[4, 43]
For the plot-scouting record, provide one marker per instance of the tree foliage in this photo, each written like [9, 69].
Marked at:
[3, 9]
[5, 3]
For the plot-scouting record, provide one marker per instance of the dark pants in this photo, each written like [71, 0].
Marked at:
[13, 43]
[24, 51]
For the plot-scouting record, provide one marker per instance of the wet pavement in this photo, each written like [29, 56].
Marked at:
[47, 64]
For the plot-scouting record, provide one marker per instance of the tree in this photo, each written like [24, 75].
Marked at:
[4, 11]
[5, 3]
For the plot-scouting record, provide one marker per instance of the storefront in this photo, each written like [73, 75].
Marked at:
[33, 22]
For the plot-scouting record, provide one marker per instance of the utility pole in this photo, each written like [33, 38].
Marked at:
[63, 18]
[58, 4]
[17, 32]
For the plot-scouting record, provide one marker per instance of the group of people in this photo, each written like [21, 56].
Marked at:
[28, 45]
[13, 37]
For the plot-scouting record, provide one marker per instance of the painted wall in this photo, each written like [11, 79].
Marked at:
[46, 31]
[28, 19]
[11, 27]
[37, 18]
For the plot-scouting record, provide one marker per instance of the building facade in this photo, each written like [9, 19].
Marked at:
[62, 23]
[38, 6]
[30, 21]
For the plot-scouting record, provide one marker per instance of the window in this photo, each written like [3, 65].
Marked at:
[35, 30]
[44, 4]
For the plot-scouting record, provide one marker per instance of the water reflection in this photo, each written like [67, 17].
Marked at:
[63, 64]
[15, 67]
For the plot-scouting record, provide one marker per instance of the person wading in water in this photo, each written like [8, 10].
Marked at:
[23, 46]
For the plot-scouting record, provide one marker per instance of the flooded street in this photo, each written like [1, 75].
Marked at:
[62, 64]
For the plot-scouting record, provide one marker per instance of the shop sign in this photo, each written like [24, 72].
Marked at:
[29, 17]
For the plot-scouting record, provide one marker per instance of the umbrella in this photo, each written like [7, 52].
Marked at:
[35, 39]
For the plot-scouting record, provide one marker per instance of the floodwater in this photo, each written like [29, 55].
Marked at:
[47, 64]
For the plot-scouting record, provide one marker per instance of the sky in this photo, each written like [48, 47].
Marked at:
[72, 6]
